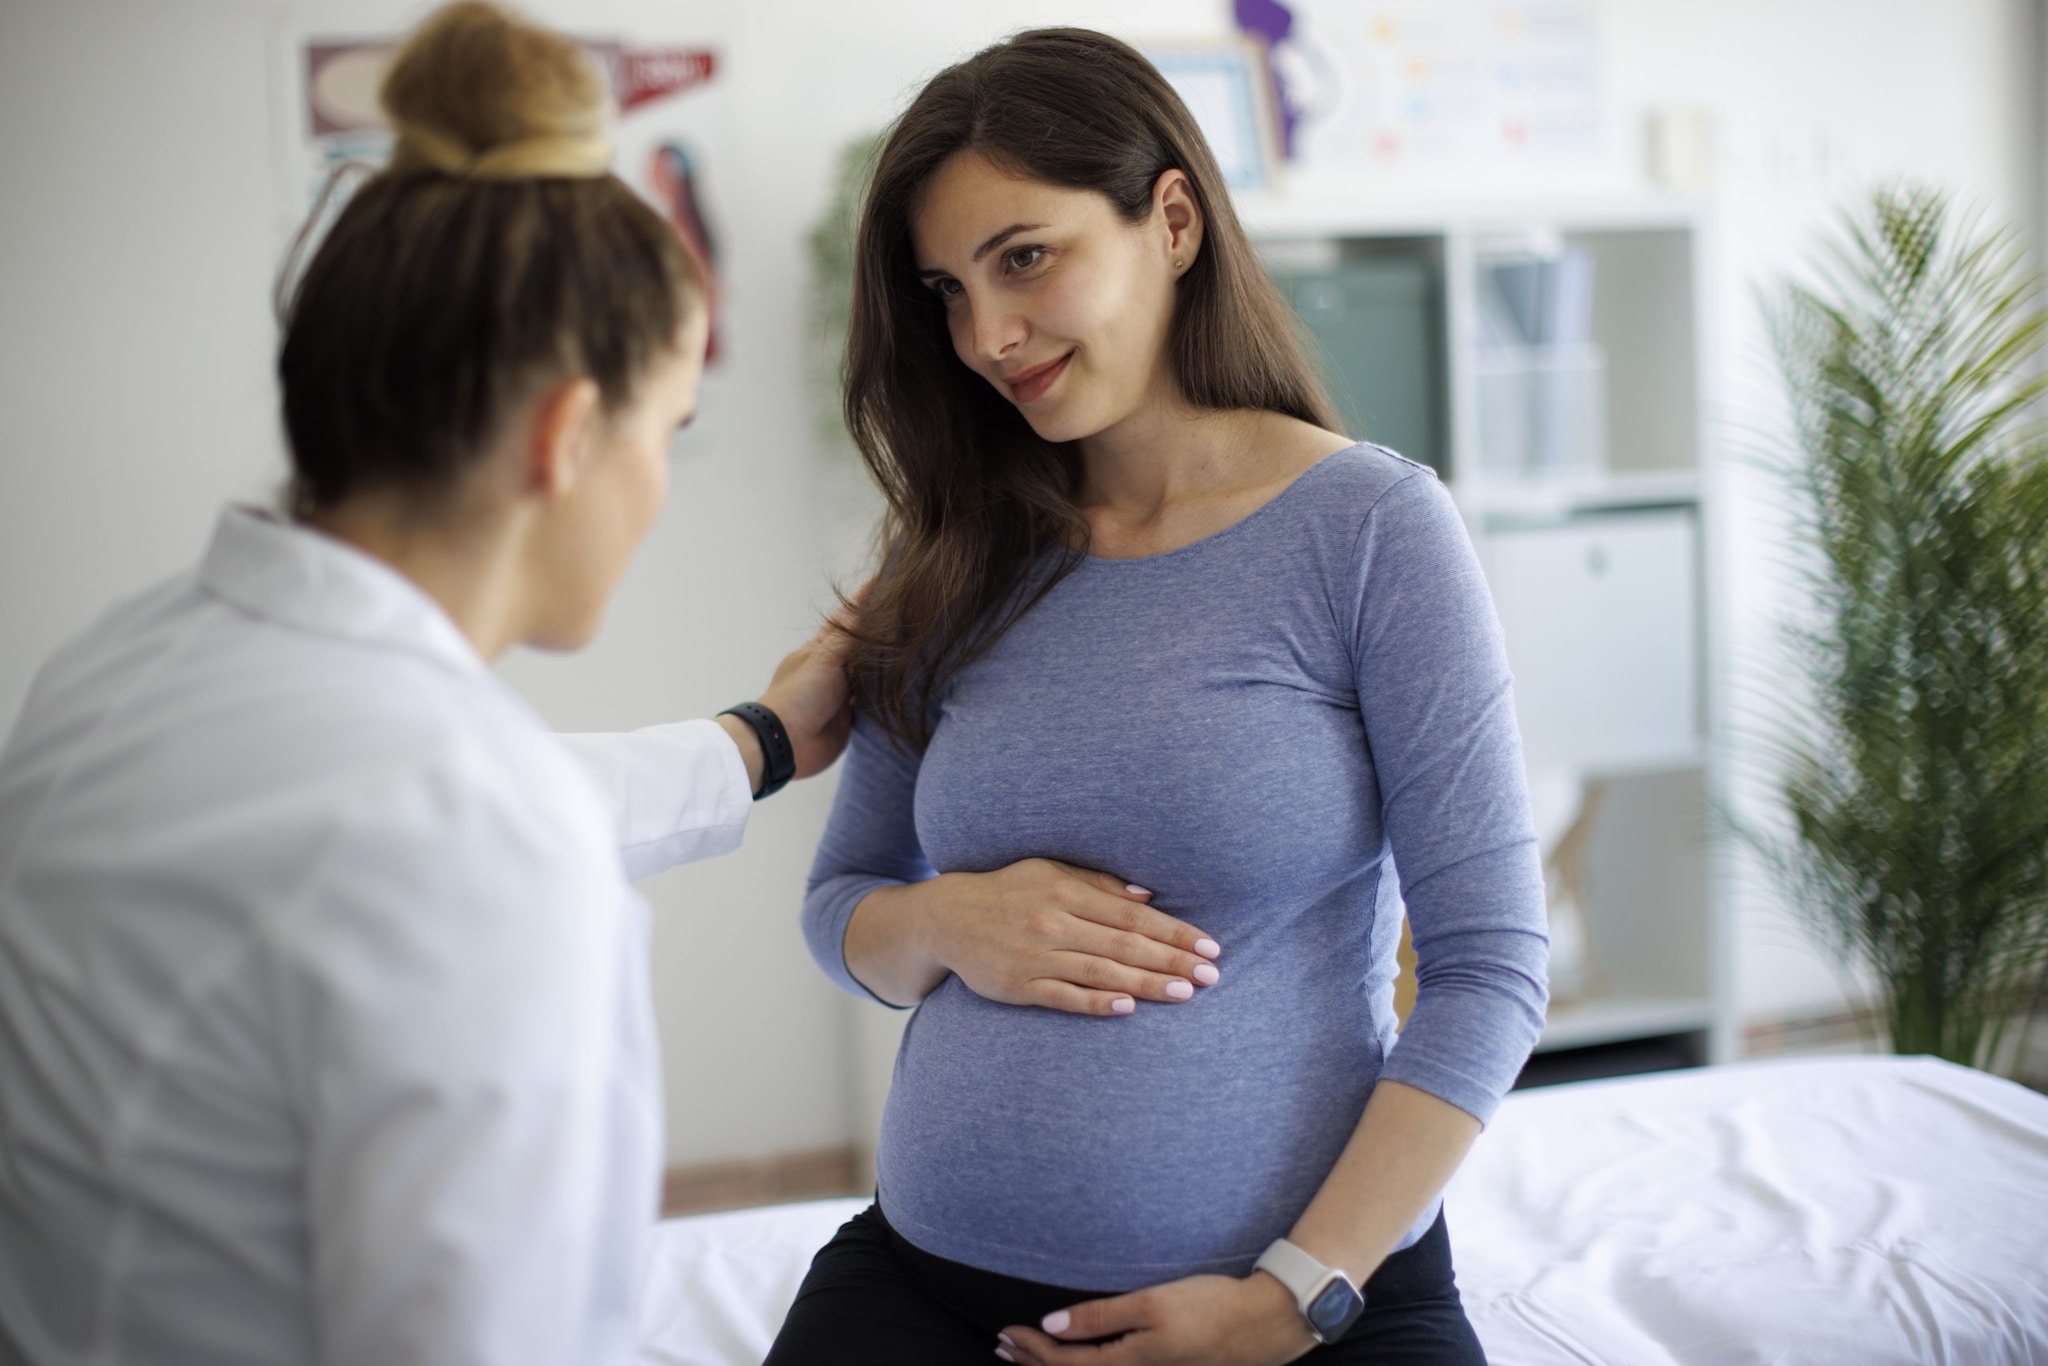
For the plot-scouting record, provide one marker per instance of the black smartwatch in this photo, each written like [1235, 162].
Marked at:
[778, 755]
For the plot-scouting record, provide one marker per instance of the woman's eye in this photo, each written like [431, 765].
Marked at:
[1023, 258]
[946, 288]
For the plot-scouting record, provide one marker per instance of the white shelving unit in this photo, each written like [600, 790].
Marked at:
[1604, 570]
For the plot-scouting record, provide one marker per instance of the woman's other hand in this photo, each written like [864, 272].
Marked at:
[1044, 933]
[809, 693]
[1200, 1321]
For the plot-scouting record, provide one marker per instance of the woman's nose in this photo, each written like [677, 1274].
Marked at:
[996, 332]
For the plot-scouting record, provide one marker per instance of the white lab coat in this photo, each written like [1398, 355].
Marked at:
[325, 1030]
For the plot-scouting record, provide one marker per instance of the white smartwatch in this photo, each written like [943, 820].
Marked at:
[1326, 1297]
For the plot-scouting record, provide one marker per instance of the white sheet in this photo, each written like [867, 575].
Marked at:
[1861, 1210]
[1840, 1210]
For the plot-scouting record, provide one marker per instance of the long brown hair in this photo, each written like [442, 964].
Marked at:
[493, 255]
[976, 499]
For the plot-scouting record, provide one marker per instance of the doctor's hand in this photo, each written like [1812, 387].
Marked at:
[1199, 1321]
[809, 693]
[1044, 933]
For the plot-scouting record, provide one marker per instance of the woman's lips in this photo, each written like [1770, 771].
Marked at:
[1032, 384]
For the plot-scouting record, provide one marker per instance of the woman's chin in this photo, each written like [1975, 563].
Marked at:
[1059, 422]
[568, 635]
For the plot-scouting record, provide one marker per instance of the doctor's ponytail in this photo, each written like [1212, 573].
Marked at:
[494, 254]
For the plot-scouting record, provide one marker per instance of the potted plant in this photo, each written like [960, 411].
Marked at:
[829, 301]
[1913, 766]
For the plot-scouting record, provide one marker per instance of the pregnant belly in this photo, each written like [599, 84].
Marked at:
[1113, 1153]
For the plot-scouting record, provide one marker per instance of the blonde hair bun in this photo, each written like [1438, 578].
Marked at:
[479, 92]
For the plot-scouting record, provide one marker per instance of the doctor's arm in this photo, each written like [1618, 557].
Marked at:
[683, 791]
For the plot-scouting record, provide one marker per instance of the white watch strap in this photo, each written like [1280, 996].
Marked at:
[1302, 1274]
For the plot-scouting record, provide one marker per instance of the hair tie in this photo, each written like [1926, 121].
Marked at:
[534, 158]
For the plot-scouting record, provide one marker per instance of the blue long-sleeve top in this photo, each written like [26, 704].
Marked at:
[1257, 727]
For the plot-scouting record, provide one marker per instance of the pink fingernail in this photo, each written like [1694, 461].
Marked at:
[1208, 948]
[1057, 1321]
[1206, 974]
[1004, 1338]
[1123, 1005]
[1179, 990]
[1004, 1354]
[1135, 890]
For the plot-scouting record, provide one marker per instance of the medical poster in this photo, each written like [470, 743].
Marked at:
[1432, 85]
[672, 124]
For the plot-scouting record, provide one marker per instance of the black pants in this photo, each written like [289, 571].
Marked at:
[873, 1299]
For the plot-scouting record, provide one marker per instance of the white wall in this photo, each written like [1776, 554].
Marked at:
[2035, 79]
[140, 227]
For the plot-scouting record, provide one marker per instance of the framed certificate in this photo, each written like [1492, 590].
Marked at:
[1228, 87]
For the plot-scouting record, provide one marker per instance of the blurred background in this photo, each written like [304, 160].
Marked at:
[1531, 238]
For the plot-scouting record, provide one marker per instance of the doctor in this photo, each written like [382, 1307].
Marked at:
[325, 1032]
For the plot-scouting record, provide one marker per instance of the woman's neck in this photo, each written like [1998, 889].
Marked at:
[1166, 452]
[1171, 474]
[471, 573]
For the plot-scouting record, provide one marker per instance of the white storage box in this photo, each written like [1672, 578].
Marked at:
[1602, 620]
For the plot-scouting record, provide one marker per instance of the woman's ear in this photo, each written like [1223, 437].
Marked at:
[1173, 204]
[564, 435]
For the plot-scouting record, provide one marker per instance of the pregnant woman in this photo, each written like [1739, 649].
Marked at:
[1160, 681]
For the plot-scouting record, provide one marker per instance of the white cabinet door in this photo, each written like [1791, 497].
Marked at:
[1601, 615]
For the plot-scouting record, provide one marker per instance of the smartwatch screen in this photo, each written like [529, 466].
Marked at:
[1334, 1310]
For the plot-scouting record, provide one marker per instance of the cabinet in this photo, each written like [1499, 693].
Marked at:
[1566, 422]
[1379, 321]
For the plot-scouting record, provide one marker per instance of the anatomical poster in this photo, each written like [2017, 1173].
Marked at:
[666, 144]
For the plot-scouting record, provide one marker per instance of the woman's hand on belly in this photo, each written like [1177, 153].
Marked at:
[1037, 933]
[1199, 1321]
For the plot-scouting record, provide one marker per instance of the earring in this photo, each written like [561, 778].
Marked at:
[1179, 264]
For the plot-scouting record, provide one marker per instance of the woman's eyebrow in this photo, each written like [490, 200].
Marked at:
[926, 273]
[1005, 235]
